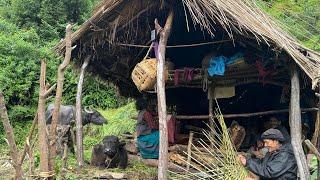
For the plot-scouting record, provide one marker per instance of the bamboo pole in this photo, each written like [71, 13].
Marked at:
[10, 136]
[161, 95]
[79, 127]
[295, 125]
[55, 114]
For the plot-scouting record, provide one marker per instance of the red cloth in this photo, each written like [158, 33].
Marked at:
[171, 122]
[150, 120]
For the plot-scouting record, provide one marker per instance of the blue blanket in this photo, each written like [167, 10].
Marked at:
[148, 145]
[218, 64]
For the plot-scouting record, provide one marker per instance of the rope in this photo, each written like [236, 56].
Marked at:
[175, 46]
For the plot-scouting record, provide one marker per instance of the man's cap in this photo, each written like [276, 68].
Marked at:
[273, 134]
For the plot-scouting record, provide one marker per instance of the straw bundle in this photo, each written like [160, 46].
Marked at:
[219, 161]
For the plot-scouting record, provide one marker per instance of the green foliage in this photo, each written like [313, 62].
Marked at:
[48, 17]
[119, 122]
[300, 18]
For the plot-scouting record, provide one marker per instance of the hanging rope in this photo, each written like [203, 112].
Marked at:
[174, 46]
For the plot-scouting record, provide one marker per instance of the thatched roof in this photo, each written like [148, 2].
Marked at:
[117, 25]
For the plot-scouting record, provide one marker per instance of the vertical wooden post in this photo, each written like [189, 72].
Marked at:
[189, 151]
[295, 125]
[55, 114]
[79, 127]
[211, 118]
[43, 139]
[10, 136]
[161, 95]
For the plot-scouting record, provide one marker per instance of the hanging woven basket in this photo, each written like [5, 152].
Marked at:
[144, 74]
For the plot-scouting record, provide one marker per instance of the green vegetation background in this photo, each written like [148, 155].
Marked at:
[30, 28]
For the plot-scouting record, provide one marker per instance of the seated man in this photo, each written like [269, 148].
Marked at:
[279, 163]
[275, 123]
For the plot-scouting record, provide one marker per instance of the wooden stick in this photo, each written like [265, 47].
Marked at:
[43, 139]
[312, 148]
[10, 137]
[189, 151]
[65, 156]
[29, 137]
[79, 127]
[155, 163]
[161, 95]
[31, 159]
[185, 117]
[295, 125]
[317, 126]
[211, 117]
[55, 114]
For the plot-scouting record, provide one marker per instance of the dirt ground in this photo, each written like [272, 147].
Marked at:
[135, 171]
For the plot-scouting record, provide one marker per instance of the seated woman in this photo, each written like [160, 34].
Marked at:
[147, 131]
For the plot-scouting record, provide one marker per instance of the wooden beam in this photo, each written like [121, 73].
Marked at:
[79, 127]
[55, 115]
[161, 95]
[205, 117]
[295, 125]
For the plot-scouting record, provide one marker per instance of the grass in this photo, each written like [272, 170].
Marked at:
[119, 122]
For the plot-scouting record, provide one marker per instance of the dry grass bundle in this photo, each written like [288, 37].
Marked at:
[219, 161]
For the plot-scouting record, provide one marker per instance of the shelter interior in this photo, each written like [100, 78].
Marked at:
[260, 79]
[260, 76]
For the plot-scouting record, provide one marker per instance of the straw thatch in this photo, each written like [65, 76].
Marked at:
[116, 24]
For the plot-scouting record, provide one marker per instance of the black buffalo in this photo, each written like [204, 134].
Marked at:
[67, 115]
[66, 120]
[110, 153]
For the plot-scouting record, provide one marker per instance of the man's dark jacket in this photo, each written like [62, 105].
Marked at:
[280, 164]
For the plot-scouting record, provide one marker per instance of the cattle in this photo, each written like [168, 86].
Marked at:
[66, 120]
[110, 153]
[67, 115]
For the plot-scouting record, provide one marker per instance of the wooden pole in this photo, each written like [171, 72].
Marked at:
[29, 137]
[295, 125]
[317, 126]
[226, 116]
[10, 136]
[55, 114]
[312, 148]
[161, 95]
[43, 139]
[79, 127]
[211, 117]
[189, 151]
